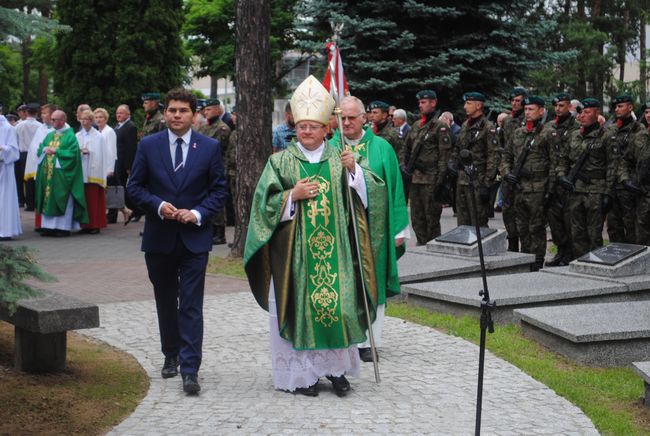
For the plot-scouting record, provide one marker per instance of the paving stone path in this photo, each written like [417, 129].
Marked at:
[428, 378]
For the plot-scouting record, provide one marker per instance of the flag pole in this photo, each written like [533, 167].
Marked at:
[334, 90]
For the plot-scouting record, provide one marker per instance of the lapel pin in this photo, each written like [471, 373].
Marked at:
[194, 145]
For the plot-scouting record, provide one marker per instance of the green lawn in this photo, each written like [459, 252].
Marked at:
[608, 396]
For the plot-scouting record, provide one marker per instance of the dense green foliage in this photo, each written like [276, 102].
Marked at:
[117, 50]
[16, 265]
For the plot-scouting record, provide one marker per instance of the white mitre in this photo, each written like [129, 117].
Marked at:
[311, 102]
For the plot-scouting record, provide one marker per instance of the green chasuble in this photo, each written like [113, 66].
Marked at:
[59, 176]
[387, 213]
[310, 258]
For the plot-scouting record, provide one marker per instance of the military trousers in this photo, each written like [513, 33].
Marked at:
[621, 220]
[425, 213]
[559, 220]
[531, 222]
[509, 211]
[643, 220]
[586, 222]
[464, 210]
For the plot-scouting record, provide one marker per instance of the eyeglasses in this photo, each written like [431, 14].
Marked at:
[351, 118]
[308, 127]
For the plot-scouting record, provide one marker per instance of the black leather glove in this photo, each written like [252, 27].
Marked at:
[566, 184]
[511, 178]
[606, 203]
[483, 193]
[630, 186]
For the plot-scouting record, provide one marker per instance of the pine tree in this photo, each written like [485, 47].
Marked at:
[117, 50]
[391, 50]
[16, 265]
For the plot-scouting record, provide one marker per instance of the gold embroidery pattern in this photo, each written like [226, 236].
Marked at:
[359, 147]
[324, 298]
[55, 143]
[325, 210]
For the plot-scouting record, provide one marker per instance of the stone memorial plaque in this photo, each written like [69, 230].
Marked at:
[464, 235]
[612, 254]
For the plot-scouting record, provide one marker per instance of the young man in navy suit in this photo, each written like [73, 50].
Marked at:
[178, 179]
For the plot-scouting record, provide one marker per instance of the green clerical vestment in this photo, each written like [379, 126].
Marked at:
[59, 176]
[310, 258]
[387, 213]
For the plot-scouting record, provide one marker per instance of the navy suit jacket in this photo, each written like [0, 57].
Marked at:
[200, 186]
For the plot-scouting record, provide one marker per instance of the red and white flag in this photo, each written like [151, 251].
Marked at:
[334, 80]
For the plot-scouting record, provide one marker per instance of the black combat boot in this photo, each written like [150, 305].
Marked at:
[513, 245]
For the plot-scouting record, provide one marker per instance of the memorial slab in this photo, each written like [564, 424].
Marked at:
[462, 241]
[634, 283]
[600, 334]
[643, 369]
[418, 264]
[614, 260]
[515, 291]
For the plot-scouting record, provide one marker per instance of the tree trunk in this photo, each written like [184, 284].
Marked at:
[42, 85]
[253, 72]
[26, 54]
[643, 66]
[214, 85]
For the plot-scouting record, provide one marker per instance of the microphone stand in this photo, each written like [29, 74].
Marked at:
[487, 305]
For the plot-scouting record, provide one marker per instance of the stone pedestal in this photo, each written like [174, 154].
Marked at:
[38, 352]
[643, 369]
[613, 260]
[456, 242]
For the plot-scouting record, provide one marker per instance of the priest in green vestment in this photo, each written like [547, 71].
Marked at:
[59, 180]
[387, 213]
[299, 255]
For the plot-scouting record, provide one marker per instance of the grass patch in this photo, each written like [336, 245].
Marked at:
[226, 266]
[608, 396]
[99, 388]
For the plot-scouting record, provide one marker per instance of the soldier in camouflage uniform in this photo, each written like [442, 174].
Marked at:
[425, 157]
[511, 123]
[230, 166]
[634, 175]
[154, 121]
[216, 129]
[382, 126]
[528, 170]
[559, 219]
[479, 136]
[621, 220]
[588, 170]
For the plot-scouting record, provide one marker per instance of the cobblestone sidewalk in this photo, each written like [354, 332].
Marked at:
[428, 384]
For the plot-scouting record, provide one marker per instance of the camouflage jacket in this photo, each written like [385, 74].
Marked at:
[391, 136]
[482, 140]
[153, 122]
[632, 135]
[560, 136]
[510, 124]
[217, 130]
[536, 173]
[598, 173]
[230, 159]
[634, 163]
[430, 163]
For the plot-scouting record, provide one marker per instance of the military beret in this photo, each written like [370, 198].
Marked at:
[645, 106]
[623, 98]
[12, 117]
[21, 107]
[473, 96]
[150, 96]
[590, 102]
[233, 110]
[33, 106]
[534, 99]
[378, 105]
[563, 96]
[518, 91]
[426, 93]
[200, 103]
[212, 102]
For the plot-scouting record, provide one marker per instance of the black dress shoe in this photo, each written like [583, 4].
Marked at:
[5, 238]
[311, 391]
[340, 384]
[170, 367]
[191, 385]
[366, 354]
